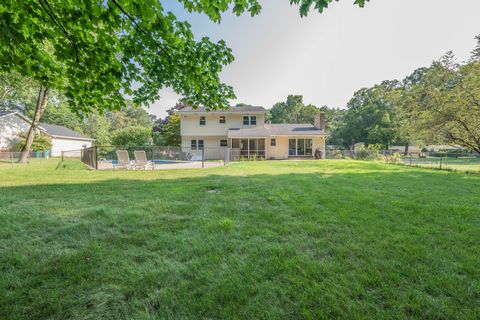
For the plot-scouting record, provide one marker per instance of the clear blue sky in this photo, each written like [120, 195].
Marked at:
[327, 57]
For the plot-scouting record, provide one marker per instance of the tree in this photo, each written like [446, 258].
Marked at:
[15, 92]
[476, 51]
[320, 5]
[167, 130]
[134, 136]
[292, 111]
[334, 118]
[129, 115]
[95, 51]
[171, 131]
[41, 142]
[371, 116]
[98, 127]
[59, 113]
[444, 107]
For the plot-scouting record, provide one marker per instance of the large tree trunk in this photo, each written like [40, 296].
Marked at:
[407, 146]
[42, 101]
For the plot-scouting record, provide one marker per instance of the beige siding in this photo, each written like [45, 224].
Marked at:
[190, 123]
[280, 151]
[213, 151]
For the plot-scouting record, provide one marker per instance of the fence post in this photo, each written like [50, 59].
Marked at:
[410, 159]
[441, 162]
[96, 158]
[153, 157]
[62, 155]
[203, 157]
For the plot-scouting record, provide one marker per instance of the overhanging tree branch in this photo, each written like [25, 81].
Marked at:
[55, 20]
[135, 23]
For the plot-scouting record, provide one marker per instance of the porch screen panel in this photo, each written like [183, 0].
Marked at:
[253, 144]
[261, 144]
[244, 144]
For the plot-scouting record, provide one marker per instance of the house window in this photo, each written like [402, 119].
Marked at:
[196, 144]
[223, 143]
[203, 121]
[221, 119]
[273, 142]
[250, 120]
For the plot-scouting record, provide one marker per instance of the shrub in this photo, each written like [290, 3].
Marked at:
[134, 136]
[41, 142]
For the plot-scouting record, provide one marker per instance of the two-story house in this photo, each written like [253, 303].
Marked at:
[244, 133]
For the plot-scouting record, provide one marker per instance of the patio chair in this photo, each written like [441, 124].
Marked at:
[123, 160]
[141, 161]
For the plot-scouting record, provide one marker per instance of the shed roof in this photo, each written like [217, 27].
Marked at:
[61, 131]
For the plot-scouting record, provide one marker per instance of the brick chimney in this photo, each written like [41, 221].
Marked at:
[320, 121]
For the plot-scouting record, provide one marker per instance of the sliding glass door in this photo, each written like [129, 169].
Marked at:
[292, 147]
[300, 147]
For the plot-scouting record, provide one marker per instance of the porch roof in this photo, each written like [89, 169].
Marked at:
[269, 130]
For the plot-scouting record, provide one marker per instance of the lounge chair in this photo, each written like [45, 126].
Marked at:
[141, 161]
[123, 160]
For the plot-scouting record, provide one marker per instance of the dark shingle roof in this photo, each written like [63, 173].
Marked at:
[268, 130]
[61, 131]
[245, 109]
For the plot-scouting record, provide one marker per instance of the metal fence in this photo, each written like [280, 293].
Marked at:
[89, 157]
[106, 157]
[444, 161]
[461, 161]
[14, 156]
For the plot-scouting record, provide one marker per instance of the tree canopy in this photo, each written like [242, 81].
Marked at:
[293, 110]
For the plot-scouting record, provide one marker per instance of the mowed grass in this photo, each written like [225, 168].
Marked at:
[260, 240]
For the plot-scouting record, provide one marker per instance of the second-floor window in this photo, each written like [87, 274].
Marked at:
[203, 121]
[249, 120]
[221, 119]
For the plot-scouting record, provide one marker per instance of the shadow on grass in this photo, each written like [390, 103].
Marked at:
[303, 245]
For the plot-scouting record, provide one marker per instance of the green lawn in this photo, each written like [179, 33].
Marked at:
[260, 240]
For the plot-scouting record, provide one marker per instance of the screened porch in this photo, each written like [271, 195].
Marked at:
[248, 148]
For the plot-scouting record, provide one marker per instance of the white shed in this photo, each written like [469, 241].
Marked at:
[63, 138]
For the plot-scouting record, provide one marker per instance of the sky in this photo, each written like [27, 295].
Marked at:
[327, 57]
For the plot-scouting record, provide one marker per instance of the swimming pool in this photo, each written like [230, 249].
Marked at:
[115, 162]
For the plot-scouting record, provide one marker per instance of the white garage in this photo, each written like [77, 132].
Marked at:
[64, 139]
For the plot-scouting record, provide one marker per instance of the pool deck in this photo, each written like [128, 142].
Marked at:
[168, 166]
